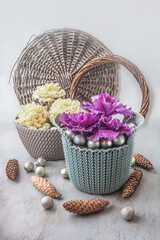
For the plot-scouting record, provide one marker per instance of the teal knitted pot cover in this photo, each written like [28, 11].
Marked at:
[98, 171]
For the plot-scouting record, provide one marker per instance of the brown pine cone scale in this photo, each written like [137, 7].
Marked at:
[132, 183]
[45, 186]
[12, 169]
[142, 161]
[84, 207]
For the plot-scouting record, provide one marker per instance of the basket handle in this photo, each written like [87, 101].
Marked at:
[127, 64]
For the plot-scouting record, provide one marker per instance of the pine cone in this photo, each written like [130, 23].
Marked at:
[132, 183]
[12, 169]
[45, 186]
[85, 206]
[142, 161]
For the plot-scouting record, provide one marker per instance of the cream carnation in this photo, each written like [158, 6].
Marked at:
[64, 105]
[33, 115]
[48, 92]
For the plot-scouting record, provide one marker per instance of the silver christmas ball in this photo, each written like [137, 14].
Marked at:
[47, 202]
[70, 134]
[46, 126]
[131, 124]
[40, 162]
[53, 128]
[120, 140]
[29, 166]
[105, 143]
[79, 140]
[127, 213]
[133, 161]
[64, 173]
[40, 171]
[32, 127]
[93, 145]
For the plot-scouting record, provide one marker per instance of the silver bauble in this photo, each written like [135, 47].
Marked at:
[64, 173]
[70, 134]
[40, 171]
[47, 202]
[105, 143]
[32, 127]
[79, 140]
[46, 126]
[29, 166]
[120, 140]
[127, 213]
[93, 145]
[133, 161]
[40, 162]
[131, 125]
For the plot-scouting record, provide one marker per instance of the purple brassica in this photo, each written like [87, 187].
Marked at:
[99, 122]
[80, 122]
[110, 128]
[107, 105]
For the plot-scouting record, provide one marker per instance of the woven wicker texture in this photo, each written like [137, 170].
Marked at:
[42, 143]
[98, 171]
[57, 56]
[119, 60]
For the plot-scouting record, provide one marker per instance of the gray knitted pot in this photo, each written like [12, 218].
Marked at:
[98, 171]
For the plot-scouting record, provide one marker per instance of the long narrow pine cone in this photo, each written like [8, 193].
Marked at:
[142, 161]
[84, 207]
[45, 186]
[132, 183]
[12, 169]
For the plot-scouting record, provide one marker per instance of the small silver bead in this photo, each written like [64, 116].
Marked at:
[47, 202]
[105, 143]
[93, 145]
[64, 173]
[41, 162]
[46, 126]
[127, 213]
[79, 140]
[120, 140]
[133, 161]
[32, 127]
[40, 171]
[70, 134]
[29, 166]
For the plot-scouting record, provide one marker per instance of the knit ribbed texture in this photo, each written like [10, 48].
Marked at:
[98, 171]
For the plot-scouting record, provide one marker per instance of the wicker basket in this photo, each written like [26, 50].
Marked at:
[103, 171]
[57, 56]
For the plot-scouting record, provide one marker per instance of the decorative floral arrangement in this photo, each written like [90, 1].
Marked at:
[64, 105]
[99, 127]
[48, 92]
[48, 103]
[32, 115]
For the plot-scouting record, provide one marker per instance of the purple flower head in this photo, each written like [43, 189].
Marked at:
[104, 104]
[81, 122]
[110, 128]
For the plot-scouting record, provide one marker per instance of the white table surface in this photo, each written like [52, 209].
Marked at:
[22, 217]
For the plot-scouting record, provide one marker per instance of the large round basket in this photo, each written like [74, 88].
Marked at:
[57, 56]
[103, 171]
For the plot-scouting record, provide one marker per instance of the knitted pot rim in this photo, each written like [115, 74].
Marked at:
[52, 129]
[84, 149]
